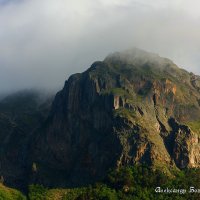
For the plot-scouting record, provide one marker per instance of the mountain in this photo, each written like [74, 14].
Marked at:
[21, 114]
[132, 108]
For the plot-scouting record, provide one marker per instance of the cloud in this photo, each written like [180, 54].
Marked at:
[43, 42]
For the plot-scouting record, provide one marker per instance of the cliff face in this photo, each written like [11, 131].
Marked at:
[134, 107]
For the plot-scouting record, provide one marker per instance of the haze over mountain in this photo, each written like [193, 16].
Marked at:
[43, 42]
[132, 108]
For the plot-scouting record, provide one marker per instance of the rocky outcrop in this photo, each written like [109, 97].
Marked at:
[185, 147]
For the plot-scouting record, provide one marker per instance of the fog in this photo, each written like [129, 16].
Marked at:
[42, 42]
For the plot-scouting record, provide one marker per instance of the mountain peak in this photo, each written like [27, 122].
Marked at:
[139, 57]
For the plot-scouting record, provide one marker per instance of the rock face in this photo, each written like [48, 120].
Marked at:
[133, 107]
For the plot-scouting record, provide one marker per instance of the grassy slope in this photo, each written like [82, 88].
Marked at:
[10, 194]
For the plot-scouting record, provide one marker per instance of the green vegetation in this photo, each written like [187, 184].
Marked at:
[10, 194]
[125, 113]
[37, 192]
[117, 92]
[195, 126]
[127, 183]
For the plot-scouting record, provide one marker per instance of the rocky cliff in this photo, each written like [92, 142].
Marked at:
[133, 107]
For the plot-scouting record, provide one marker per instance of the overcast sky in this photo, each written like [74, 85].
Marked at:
[42, 42]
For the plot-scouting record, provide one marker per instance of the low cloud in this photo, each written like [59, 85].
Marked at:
[43, 42]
